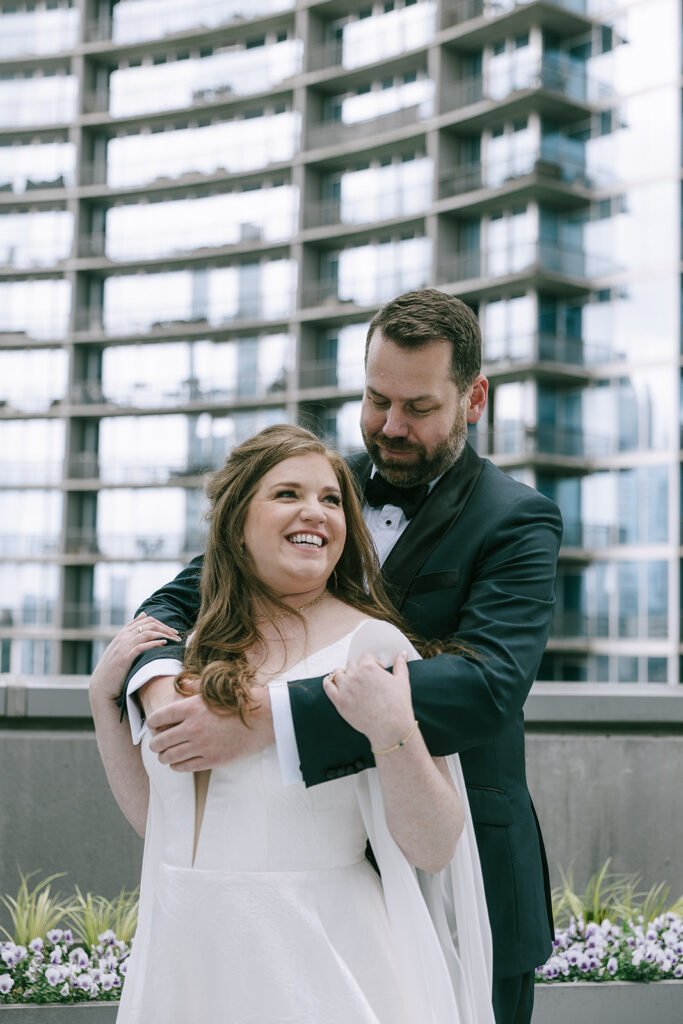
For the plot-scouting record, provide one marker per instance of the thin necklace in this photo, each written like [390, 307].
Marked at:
[301, 608]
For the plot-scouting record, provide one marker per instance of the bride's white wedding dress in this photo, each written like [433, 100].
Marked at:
[279, 919]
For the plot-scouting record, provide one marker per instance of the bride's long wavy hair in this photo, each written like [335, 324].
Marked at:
[227, 626]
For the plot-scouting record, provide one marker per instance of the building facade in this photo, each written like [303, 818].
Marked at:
[203, 203]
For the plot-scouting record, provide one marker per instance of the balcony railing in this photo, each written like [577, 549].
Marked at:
[521, 441]
[547, 163]
[553, 73]
[369, 208]
[538, 257]
[88, 466]
[146, 395]
[535, 347]
[456, 12]
[336, 133]
[584, 626]
[167, 547]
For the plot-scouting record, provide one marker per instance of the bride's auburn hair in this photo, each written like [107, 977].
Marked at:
[227, 627]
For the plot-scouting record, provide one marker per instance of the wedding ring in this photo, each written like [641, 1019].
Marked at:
[139, 629]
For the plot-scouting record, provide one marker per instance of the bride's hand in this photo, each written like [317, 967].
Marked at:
[372, 700]
[142, 634]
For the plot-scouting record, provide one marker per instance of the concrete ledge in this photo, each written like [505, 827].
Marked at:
[561, 703]
[60, 1013]
[609, 1002]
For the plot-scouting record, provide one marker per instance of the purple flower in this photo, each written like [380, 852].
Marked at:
[612, 965]
[8, 953]
[678, 971]
[78, 957]
[54, 935]
[68, 936]
[64, 990]
[54, 975]
[36, 945]
[6, 984]
[56, 955]
[108, 981]
[84, 982]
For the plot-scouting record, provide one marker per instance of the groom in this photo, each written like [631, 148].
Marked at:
[466, 552]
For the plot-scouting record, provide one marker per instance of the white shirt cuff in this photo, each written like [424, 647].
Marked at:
[285, 737]
[159, 667]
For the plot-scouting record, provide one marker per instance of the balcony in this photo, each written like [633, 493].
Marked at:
[570, 270]
[511, 356]
[479, 19]
[335, 133]
[528, 442]
[552, 85]
[368, 208]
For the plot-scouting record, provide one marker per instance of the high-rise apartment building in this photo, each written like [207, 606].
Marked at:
[202, 202]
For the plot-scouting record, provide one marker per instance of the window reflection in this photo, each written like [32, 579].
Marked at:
[36, 238]
[28, 594]
[32, 451]
[373, 273]
[612, 600]
[212, 295]
[236, 70]
[37, 165]
[30, 523]
[43, 99]
[39, 309]
[365, 40]
[118, 590]
[147, 230]
[150, 523]
[31, 32]
[129, 445]
[627, 506]
[32, 381]
[393, 189]
[231, 146]
[150, 376]
[135, 20]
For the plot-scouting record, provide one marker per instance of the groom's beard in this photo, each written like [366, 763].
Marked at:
[428, 464]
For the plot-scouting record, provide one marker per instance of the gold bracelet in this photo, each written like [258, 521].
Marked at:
[401, 743]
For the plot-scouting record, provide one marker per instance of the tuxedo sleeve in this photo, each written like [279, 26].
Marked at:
[176, 604]
[461, 701]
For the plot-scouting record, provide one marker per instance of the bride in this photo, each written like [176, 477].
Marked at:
[257, 903]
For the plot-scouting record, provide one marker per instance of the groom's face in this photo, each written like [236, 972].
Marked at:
[414, 418]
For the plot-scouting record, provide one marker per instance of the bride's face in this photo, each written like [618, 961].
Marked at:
[295, 527]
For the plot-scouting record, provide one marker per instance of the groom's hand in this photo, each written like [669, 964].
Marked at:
[189, 737]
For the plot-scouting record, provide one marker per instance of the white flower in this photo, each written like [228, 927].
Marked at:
[6, 984]
[54, 974]
[65, 990]
[612, 965]
[84, 982]
[79, 957]
[55, 935]
[8, 953]
[108, 981]
[36, 945]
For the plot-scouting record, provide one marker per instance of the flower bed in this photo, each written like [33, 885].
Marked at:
[633, 951]
[58, 970]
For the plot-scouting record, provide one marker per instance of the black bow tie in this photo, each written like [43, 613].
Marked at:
[379, 492]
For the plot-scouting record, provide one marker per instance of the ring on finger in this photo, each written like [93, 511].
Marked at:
[139, 629]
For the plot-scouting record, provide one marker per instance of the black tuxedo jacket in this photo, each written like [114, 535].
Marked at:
[476, 563]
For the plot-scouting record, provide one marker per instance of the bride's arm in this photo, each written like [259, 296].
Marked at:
[122, 760]
[423, 810]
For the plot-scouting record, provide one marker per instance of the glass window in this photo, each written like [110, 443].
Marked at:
[32, 451]
[376, 273]
[39, 309]
[147, 230]
[28, 594]
[31, 523]
[226, 73]
[37, 165]
[150, 523]
[35, 239]
[38, 100]
[379, 193]
[32, 381]
[366, 40]
[32, 32]
[232, 146]
[136, 20]
[134, 303]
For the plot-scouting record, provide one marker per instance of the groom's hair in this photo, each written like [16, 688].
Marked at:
[419, 318]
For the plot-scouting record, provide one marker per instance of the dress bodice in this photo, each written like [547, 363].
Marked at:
[251, 821]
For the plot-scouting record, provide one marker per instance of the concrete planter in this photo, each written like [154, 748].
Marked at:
[609, 1002]
[60, 1013]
